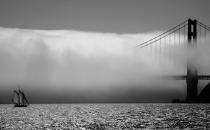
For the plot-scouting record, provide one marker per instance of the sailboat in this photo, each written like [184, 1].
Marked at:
[19, 99]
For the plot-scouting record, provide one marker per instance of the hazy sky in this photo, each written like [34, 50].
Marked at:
[82, 51]
[120, 16]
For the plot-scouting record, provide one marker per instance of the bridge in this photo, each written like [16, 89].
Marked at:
[188, 33]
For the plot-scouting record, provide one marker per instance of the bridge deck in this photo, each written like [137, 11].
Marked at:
[184, 77]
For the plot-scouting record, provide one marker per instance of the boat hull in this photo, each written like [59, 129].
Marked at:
[17, 105]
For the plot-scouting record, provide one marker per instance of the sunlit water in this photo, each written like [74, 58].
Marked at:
[106, 116]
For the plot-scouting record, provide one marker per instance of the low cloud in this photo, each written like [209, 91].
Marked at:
[64, 60]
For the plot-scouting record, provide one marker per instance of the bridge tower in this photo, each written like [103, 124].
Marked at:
[192, 76]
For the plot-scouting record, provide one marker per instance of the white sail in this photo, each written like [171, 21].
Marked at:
[24, 100]
[16, 97]
[20, 97]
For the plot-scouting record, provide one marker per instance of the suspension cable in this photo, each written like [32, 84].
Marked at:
[168, 31]
[151, 42]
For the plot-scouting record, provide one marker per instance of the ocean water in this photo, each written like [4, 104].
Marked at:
[105, 116]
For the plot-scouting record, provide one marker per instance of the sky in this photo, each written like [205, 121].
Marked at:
[118, 16]
[84, 51]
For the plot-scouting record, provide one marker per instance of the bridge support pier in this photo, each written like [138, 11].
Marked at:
[192, 76]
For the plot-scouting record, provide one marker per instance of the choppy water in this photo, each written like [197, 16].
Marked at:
[106, 116]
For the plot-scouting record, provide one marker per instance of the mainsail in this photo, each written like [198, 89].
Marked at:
[19, 99]
[24, 99]
[15, 98]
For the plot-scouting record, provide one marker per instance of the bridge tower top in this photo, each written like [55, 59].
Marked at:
[192, 31]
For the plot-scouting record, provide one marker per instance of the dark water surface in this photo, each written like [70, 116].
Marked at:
[105, 116]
